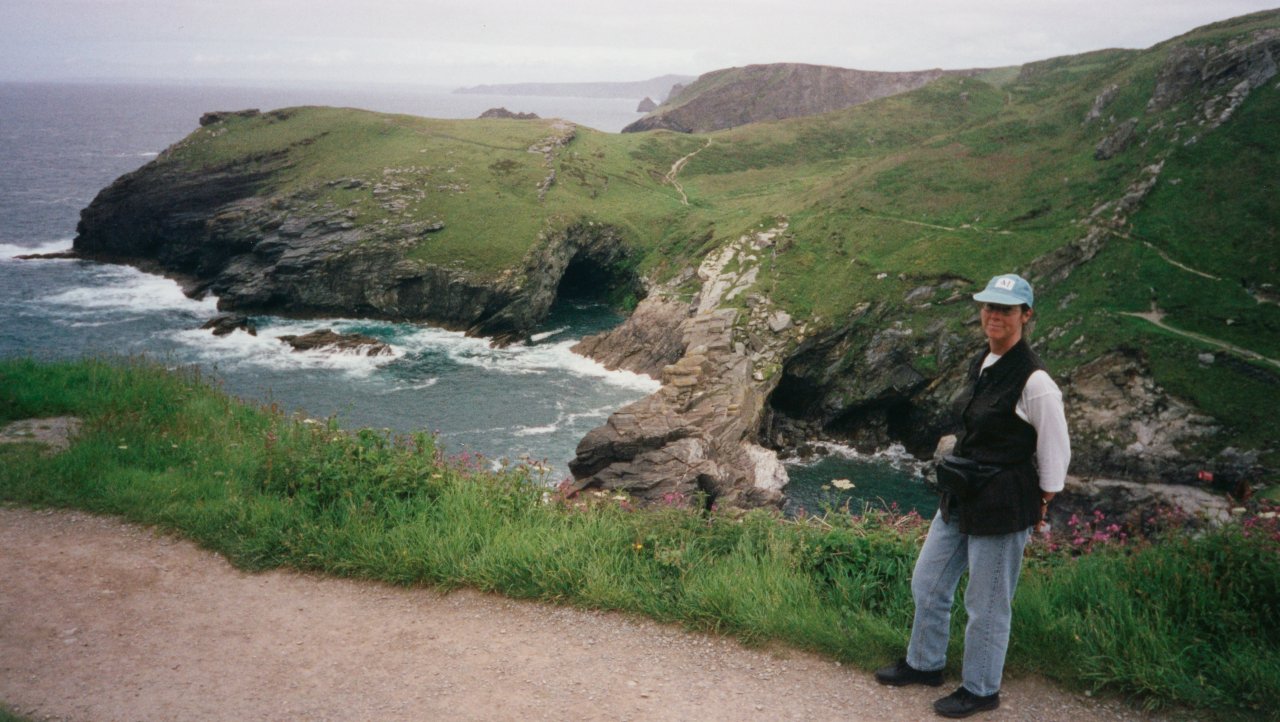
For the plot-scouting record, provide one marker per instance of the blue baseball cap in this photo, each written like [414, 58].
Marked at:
[1008, 289]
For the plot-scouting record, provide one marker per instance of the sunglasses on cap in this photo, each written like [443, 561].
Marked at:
[999, 308]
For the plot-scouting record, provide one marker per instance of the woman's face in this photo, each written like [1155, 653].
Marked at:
[1003, 324]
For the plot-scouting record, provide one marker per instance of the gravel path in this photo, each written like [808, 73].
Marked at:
[102, 620]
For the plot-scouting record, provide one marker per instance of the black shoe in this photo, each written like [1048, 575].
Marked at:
[901, 674]
[962, 703]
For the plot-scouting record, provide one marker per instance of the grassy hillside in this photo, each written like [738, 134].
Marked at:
[955, 181]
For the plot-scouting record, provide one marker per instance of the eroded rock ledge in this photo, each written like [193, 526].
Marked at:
[696, 437]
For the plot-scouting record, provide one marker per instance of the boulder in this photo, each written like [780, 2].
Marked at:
[329, 340]
[1116, 142]
[229, 322]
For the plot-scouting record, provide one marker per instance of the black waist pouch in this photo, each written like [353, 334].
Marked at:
[964, 477]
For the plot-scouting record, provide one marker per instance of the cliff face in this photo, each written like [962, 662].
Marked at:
[738, 96]
[230, 230]
[697, 436]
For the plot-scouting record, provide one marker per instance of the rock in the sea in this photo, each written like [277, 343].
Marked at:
[46, 256]
[229, 322]
[329, 340]
[647, 105]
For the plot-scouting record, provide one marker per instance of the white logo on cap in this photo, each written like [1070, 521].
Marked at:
[1004, 284]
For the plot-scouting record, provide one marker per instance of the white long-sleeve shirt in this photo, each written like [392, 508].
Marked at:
[1041, 406]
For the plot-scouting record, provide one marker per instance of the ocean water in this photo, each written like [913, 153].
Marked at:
[61, 143]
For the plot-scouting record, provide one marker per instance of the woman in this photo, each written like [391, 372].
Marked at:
[1013, 423]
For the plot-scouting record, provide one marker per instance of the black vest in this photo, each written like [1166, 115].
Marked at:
[995, 434]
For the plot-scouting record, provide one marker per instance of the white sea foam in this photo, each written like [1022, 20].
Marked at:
[9, 251]
[421, 385]
[601, 412]
[96, 324]
[240, 348]
[536, 430]
[538, 337]
[522, 358]
[127, 288]
[896, 455]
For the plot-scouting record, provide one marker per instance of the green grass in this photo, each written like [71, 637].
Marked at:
[1186, 622]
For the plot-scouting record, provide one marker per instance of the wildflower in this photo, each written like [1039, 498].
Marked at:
[122, 446]
[637, 546]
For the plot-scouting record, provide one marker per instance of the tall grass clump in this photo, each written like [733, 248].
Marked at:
[1172, 619]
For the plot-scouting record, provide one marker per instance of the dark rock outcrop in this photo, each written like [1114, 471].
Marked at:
[329, 340]
[1117, 142]
[230, 322]
[1194, 69]
[504, 113]
[54, 256]
[217, 116]
[647, 105]
[737, 96]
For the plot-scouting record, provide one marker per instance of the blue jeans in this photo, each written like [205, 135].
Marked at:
[993, 563]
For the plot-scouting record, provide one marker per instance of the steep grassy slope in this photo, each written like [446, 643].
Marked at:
[964, 178]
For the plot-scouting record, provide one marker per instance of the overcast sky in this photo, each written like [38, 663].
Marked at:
[464, 42]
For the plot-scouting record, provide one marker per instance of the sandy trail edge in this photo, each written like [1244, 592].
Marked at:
[102, 620]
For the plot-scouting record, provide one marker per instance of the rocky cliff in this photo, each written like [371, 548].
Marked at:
[696, 438]
[230, 230]
[738, 96]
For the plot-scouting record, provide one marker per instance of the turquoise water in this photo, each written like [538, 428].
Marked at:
[843, 478]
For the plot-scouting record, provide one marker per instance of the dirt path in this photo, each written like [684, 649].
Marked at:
[101, 620]
[677, 167]
[1156, 317]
